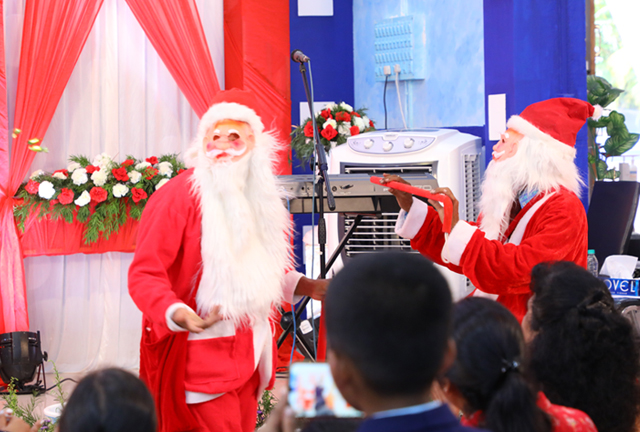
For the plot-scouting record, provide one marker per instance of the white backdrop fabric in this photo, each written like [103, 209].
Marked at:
[121, 100]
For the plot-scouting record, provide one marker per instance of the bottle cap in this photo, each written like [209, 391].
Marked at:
[591, 251]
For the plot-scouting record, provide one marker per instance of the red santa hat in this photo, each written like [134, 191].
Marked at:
[554, 120]
[233, 104]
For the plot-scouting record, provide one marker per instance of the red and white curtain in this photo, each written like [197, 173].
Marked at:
[103, 76]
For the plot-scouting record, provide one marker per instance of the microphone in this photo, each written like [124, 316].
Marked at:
[299, 57]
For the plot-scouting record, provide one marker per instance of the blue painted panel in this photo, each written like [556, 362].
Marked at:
[328, 41]
[453, 91]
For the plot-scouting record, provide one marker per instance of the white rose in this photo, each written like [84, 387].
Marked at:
[357, 121]
[331, 122]
[36, 174]
[345, 107]
[343, 129]
[120, 190]
[73, 166]
[102, 160]
[99, 178]
[142, 165]
[83, 199]
[161, 183]
[60, 175]
[79, 176]
[331, 106]
[134, 176]
[366, 121]
[46, 190]
[165, 169]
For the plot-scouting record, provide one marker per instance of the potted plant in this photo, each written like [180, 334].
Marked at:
[620, 140]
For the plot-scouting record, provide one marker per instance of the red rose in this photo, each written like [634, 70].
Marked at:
[120, 174]
[66, 196]
[127, 163]
[355, 130]
[32, 187]
[98, 194]
[181, 170]
[63, 171]
[371, 123]
[152, 160]
[138, 194]
[326, 114]
[150, 172]
[343, 116]
[53, 203]
[308, 129]
[329, 132]
[91, 169]
[355, 113]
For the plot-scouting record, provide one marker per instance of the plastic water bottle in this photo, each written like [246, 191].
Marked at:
[592, 262]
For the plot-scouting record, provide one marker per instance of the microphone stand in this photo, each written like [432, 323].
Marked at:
[323, 179]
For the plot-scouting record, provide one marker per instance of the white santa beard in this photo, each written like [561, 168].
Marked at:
[245, 249]
[539, 166]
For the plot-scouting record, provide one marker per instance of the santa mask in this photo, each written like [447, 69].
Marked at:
[228, 141]
[507, 146]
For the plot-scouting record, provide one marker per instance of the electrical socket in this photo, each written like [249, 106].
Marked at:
[396, 68]
[387, 70]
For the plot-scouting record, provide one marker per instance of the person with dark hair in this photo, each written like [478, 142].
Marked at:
[109, 400]
[388, 319]
[487, 379]
[581, 349]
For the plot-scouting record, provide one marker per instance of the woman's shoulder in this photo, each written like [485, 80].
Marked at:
[566, 419]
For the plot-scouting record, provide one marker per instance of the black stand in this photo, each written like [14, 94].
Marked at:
[288, 322]
[323, 179]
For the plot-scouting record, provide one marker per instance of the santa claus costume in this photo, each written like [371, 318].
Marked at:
[530, 211]
[216, 236]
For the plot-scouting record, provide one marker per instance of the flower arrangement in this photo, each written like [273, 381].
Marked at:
[336, 123]
[101, 193]
[266, 404]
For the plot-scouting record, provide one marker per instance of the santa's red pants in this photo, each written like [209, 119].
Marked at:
[234, 411]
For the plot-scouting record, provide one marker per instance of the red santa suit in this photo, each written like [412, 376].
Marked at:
[552, 226]
[190, 254]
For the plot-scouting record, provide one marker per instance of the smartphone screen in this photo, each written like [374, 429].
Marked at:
[312, 393]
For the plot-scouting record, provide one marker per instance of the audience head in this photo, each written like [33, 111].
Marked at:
[487, 374]
[582, 350]
[109, 400]
[388, 319]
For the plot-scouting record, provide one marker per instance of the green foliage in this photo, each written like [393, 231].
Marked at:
[102, 219]
[26, 413]
[265, 406]
[303, 145]
[600, 92]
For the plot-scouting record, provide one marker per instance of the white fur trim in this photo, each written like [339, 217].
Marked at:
[230, 111]
[169, 313]
[220, 329]
[597, 112]
[518, 232]
[524, 127]
[408, 224]
[196, 397]
[457, 242]
[289, 286]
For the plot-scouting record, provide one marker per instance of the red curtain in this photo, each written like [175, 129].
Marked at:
[256, 57]
[53, 35]
[175, 31]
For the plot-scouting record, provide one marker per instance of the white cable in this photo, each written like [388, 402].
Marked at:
[404, 122]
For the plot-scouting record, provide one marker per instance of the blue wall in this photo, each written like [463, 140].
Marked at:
[535, 50]
[452, 93]
[328, 41]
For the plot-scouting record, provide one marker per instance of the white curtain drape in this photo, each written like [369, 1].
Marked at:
[120, 100]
